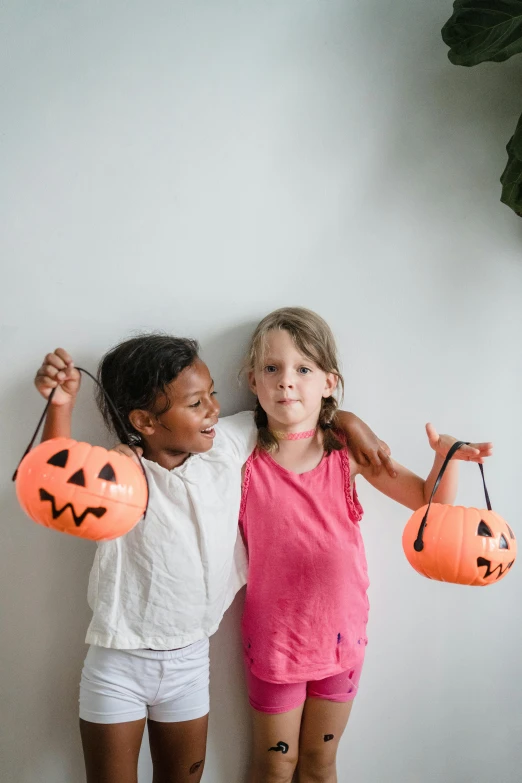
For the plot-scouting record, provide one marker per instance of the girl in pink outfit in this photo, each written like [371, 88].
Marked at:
[306, 609]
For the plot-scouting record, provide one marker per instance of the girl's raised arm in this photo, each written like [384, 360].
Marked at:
[411, 490]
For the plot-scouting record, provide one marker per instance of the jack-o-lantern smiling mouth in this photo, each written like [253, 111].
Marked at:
[481, 561]
[97, 512]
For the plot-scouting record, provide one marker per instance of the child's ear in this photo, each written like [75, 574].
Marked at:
[330, 384]
[143, 422]
[252, 381]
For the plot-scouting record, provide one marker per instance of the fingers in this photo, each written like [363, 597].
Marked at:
[62, 354]
[433, 435]
[475, 452]
[471, 452]
[485, 449]
[384, 455]
[384, 448]
[378, 459]
[59, 360]
[387, 461]
[49, 373]
[47, 378]
[56, 368]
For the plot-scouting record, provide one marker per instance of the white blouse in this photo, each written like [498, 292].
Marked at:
[168, 582]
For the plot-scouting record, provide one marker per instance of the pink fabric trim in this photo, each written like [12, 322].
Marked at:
[354, 507]
[244, 489]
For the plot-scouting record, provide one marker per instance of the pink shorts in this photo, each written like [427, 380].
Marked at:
[273, 698]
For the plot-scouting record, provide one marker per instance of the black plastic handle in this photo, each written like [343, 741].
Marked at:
[419, 543]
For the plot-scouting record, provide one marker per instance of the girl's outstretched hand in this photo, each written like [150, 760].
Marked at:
[475, 452]
[58, 371]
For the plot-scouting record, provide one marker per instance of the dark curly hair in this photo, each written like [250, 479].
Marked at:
[136, 371]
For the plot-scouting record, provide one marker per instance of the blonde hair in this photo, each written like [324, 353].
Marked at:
[314, 339]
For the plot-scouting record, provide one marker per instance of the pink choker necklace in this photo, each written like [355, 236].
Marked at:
[280, 435]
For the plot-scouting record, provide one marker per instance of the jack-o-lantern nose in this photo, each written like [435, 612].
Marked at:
[77, 478]
[503, 544]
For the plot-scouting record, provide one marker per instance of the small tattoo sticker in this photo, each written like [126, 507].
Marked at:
[194, 768]
[328, 737]
[282, 746]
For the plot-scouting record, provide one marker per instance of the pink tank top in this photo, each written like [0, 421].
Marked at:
[306, 606]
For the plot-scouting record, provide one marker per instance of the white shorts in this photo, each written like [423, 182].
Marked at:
[165, 685]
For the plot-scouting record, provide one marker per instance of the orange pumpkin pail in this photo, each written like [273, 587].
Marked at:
[79, 489]
[468, 546]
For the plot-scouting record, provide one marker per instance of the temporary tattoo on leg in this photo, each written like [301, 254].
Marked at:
[282, 746]
[328, 737]
[194, 768]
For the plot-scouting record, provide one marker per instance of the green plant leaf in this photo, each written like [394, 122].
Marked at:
[481, 30]
[511, 178]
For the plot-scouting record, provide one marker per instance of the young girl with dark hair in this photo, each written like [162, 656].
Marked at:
[159, 592]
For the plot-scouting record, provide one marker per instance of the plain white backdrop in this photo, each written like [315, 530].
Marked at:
[189, 166]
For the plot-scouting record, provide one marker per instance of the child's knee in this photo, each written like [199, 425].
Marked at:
[317, 765]
[275, 767]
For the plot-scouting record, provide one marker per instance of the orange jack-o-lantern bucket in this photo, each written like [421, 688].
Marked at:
[80, 489]
[467, 546]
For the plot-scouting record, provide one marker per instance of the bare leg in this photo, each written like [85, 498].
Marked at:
[178, 750]
[111, 750]
[276, 746]
[322, 727]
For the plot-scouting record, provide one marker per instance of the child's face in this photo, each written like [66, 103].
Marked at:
[289, 386]
[188, 425]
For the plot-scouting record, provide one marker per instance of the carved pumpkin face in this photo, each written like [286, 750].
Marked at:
[467, 546]
[80, 489]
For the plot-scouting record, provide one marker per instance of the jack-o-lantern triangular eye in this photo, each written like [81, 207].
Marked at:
[503, 544]
[107, 473]
[512, 535]
[59, 459]
[484, 530]
[78, 478]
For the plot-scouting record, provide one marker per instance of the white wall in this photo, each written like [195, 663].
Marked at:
[191, 166]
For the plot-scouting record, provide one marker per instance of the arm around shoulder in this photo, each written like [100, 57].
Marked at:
[237, 434]
[367, 449]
